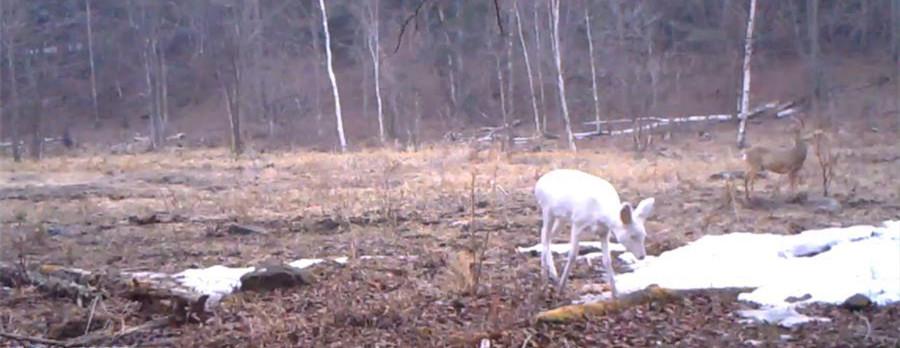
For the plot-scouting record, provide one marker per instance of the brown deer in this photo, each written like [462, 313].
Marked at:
[782, 161]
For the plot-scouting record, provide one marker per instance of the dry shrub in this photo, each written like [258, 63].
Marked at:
[461, 269]
[826, 158]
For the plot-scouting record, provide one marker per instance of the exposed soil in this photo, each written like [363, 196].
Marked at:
[170, 211]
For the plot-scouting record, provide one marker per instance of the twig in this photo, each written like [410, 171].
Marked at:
[499, 21]
[31, 339]
[868, 326]
[527, 341]
[87, 328]
[93, 339]
[406, 22]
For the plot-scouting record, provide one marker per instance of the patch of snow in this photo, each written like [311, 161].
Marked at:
[216, 280]
[303, 263]
[786, 316]
[825, 265]
[563, 248]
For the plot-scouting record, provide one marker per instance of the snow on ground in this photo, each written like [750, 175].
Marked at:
[563, 248]
[219, 281]
[826, 265]
[215, 280]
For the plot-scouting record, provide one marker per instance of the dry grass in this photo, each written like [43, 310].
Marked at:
[385, 202]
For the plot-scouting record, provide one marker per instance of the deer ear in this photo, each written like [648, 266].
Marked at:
[625, 214]
[645, 208]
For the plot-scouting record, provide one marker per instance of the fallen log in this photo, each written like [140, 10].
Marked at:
[83, 286]
[70, 283]
[653, 122]
[171, 293]
[652, 293]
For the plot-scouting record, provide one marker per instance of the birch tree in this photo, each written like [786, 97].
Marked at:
[375, 52]
[745, 90]
[334, 84]
[560, 81]
[540, 67]
[534, 107]
[587, 23]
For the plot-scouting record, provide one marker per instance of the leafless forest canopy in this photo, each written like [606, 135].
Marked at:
[100, 71]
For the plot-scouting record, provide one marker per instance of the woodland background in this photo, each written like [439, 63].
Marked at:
[408, 71]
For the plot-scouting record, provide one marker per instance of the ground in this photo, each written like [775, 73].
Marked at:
[167, 211]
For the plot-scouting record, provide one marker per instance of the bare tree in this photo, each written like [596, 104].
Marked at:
[895, 49]
[540, 66]
[534, 107]
[509, 74]
[375, 53]
[334, 84]
[3, 129]
[35, 107]
[151, 93]
[745, 94]
[231, 85]
[812, 8]
[561, 84]
[587, 23]
[90, 38]
[13, 85]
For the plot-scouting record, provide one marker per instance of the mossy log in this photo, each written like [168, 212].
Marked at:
[652, 293]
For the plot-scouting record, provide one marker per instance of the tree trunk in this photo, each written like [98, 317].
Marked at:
[3, 125]
[37, 140]
[814, 65]
[90, 38]
[233, 99]
[374, 49]
[895, 49]
[317, 78]
[334, 84]
[16, 103]
[163, 89]
[561, 84]
[500, 88]
[587, 23]
[540, 68]
[534, 107]
[510, 99]
[745, 90]
[151, 94]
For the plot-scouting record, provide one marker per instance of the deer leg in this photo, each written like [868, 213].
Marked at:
[794, 177]
[607, 264]
[573, 252]
[748, 183]
[550, 224]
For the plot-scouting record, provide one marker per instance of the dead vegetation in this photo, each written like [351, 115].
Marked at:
[444, 228]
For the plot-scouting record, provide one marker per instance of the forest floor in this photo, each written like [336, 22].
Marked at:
[168, 211]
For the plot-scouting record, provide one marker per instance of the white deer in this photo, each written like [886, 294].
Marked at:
[588, 201]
